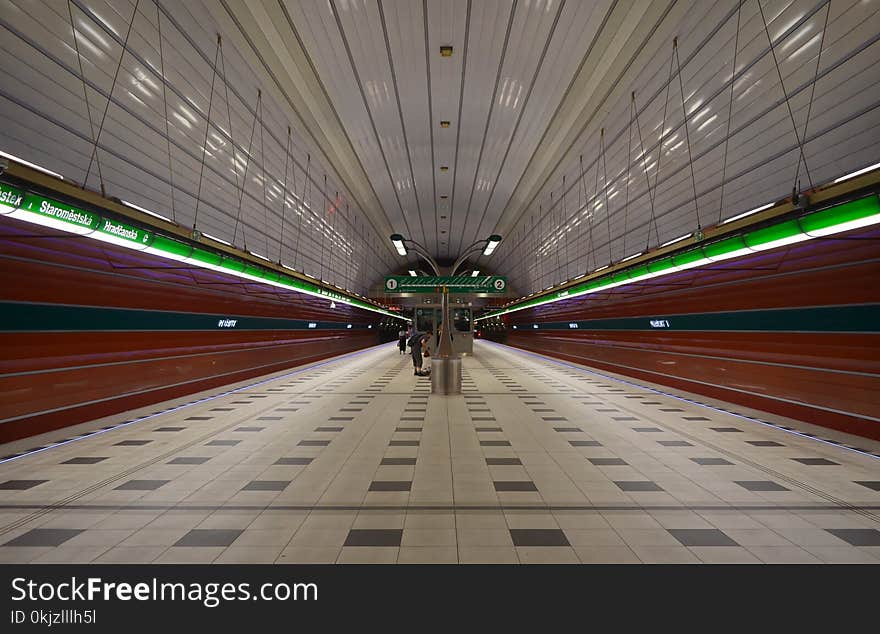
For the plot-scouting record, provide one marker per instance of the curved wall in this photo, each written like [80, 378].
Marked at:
[795, 331]
[88, 329]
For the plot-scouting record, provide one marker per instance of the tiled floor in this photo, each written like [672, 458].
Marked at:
[353, 460]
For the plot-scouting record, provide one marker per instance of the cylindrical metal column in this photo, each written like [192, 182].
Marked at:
[446, 375]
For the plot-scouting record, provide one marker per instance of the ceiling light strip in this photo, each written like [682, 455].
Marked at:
[39, 210]
[846, 216]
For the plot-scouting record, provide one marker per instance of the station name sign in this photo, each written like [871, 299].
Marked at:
[456, 284]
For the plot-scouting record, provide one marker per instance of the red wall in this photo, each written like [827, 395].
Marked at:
[49, 380]
[825, 378]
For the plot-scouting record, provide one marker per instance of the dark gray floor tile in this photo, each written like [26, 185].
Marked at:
[188, 460]
[408, 429]
[482, 418]
[874, 485]
[645, 485]
[647, 429]
[760, 485]
[84, 460]
[209, 537]
[329, 428]
[141, 485]
[515, 485]
[670, 409]
[503, 461]
[701, 537]
[199, 418]
[706, 462]
[857, 536]
[495, 443]
[568, 429]
[20, 485]
[374, 537]
[249, 429]
[270, 418]
[622, 418]
[266, 485]
[169, 429]
[222, 409]
[313, 443]
[132, 443]
[608, 462]
[293, 461]
[695, 418]
[584, 443]
[44, 537]
[222, 443]
[538, 537]
[398, 461]
[765, 443]
[725, 430]
[403, 443]
[554, 418]
[488, 429]
[390, 485]
[675, 443]
[816, 461]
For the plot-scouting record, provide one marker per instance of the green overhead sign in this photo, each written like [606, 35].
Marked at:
[455, 284]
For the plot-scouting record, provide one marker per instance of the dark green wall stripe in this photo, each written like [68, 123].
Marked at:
[25, 317]
[865, 318]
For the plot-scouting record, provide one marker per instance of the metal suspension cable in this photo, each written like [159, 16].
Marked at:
[229, 120]
[302, 210]
[165, 106]
[687, 135]
[110, 97]
[730, 113]
[605, 190]
[263, 178]
[628, 170]
[812, 94]
[82, 76]
[785, 95]
[205, 144]
[247, 165]
[651, 193]
[284, 194]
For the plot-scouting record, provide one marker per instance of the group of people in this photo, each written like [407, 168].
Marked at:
[418, 343]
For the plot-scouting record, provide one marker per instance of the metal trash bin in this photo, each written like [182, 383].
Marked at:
[446, 375]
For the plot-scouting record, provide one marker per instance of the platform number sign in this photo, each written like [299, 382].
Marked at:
[454, 284]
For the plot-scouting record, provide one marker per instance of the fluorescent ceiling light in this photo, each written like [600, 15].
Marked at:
[674, 240]
[413, 273]
[216, 239]
[263, 257]
[491, 244]
[397, 241]
[632, 257]
[475, 274]
[858, 172]
[146, 211]
[748, 213]
[31, 165]
[602, 268]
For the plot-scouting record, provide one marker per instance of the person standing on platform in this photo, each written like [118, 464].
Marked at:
[401, 341]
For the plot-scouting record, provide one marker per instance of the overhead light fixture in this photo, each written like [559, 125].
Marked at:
[632, 257]
[748, 213]
[858, 172]
[216, 239]
[39, 168]
[445, 51]
[413, 273]
[475, 274]
[444, 124]
[397, 241]
[146, 211]
[674, 240]
[491, 244]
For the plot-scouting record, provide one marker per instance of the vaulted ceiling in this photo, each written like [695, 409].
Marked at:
[583, 131]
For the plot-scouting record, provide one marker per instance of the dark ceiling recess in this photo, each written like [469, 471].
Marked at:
[446, 51]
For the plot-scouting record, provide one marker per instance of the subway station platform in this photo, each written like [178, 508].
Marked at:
[354, 460]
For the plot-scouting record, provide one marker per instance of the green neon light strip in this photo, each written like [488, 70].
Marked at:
[46, 212]
[844, 217]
